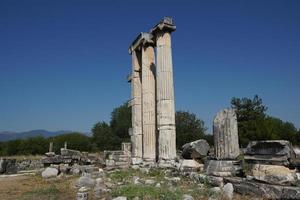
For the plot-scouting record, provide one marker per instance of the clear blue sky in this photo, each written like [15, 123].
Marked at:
[63, 64]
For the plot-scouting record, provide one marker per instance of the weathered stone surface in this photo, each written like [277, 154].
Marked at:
[274, 174]
[262, 190]
[190, 166]
[222, 168]
[226, 139]
[49, 172]
[136, 106]
[228, 191]
[2, 165]
[202, 178]
[71, 153]
[196, 149]
[8, 166]
[165, 91]
[278, 152]
[82, 194]
[187, 197]
[120, 198]
[85, 181]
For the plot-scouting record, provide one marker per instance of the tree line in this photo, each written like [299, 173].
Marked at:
[253, 124]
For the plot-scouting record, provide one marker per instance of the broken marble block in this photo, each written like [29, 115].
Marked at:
[275, 174]
[277, 152]
[195, 150]
[190, 166]
[223, 168]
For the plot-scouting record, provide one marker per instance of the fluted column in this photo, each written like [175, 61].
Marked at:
[148, 103]
[136, 106]
[226, 139]
[165, 91]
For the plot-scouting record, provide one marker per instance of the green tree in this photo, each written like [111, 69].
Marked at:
[121, 121]
[75, 140]
[250, 116]
[188, 128]
[104, 138]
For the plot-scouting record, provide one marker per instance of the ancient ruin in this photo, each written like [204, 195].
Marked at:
[226, 145]
[153, 133]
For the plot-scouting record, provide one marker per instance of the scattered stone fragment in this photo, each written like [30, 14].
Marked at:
[85, 181]
[228, 191]
[49, 172]
[83, 194]
[120, 198]
[274, 174]
[149, 182]
[195, 150]
[136, 180]
[190, 166]
[187, 197]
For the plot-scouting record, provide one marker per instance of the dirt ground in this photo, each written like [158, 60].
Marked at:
[34, 187]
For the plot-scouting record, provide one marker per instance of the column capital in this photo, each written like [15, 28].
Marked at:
[143, 39]
[165, 25]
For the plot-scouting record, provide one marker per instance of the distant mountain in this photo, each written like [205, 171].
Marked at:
[8, 135]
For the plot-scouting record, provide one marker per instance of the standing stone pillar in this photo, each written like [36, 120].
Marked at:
[51, 147]
[165, 91]
[136, 107]
[148, 101]
[226, 138]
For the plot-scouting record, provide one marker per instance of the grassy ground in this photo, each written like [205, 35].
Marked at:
[36, 188]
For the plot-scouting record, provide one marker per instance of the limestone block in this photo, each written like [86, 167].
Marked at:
[262, 190]
[222, 168]
[190, 166]
[49, 172]
[278, 152]
[226, 139]
[274, 174]
[196, 149]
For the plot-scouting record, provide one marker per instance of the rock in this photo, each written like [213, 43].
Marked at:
[195, 150]
[262, 190]
[190, 166]
[187, 197]
[222, 168]
[2, 165]
[149, 182]
[202, 178]
[158, 185]
[49, 172]
[228, 191]
[215, 190]
[75, 171]
[274, 174]
[85, 181]
[226, 139]
[120, 198]
[100, 188]
[145, 170]
[82, 194]
[135, 167]
[136, 180]
[277, 152]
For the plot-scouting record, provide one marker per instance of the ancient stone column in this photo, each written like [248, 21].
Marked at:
[51, 147]
[136, 107]
[226, 138]
[148, 102]
[165, 91]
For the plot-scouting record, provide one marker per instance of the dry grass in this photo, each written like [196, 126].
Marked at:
[34, 187]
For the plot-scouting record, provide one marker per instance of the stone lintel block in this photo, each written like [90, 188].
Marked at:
[141, 40]
[166, 24]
